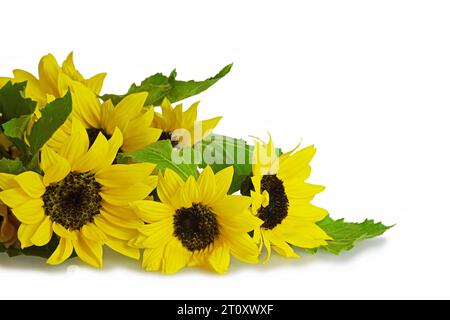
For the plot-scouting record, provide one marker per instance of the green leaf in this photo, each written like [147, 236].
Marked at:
[11, 166]
[43, 252]
[15, 128]
[346, 234]
[160, 86]
[13, 103]
[220, 152]
[162, 154]
[53, 116]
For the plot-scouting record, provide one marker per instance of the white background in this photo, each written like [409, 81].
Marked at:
[366, 81]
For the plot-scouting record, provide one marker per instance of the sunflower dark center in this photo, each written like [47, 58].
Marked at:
[73, 201]
[166, 135]
[277, 210]
[93, 133]
[196, 227]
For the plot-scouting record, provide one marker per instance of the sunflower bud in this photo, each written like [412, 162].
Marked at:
[8, 227]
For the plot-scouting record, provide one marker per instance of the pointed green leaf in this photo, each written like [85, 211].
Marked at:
[160, 153]
[44, 251]
[220, 152]
[11, 166]
[346, 234]
[160, 86]
[13, 103]
[16, 127]
[53, 116]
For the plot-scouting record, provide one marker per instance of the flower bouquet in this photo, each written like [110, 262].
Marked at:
[81, 170]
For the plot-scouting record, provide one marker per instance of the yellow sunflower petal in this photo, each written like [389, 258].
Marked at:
[306, 235]
[281, 247]
[30, 212]
[207, 185]
[126, 213]
[119, 175]
[95, 83]
[175, 257]
[125, 195]
[157, 233]
[152, 211]
[266, 242]
[48, 74]
[55, 167]
[31, 183]
[292, 165]
[243, 248]
[25, 232]
[122, 248]
[33, 89]
[152, 259]
[89, 251]
[169, 185]
[113, 230]
[63, 232]
[14, 197]
[114, 144]
[223, 182]
[232, 203]
[219, 259]
[306, 212]
[190, 115]
[190, 193]
[94, 159]
[130, 106]
[62, 252]
[8, 181]
[122, 222]
[86, 105]
[77, 143]
[92, 232]
[136, 137]
[43, 233]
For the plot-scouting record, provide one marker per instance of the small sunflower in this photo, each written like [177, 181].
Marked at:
[8, 226]
[129, 116]
[196, 224]
[82, 199]
[182, 128]
[49, 85]
[282, 199]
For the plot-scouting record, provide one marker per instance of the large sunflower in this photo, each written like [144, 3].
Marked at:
[282, 199]
[82, 199]
[48, 86]
[196, 224]
[182, 128]
[129, 116]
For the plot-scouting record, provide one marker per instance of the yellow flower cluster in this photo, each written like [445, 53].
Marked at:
[83, 199]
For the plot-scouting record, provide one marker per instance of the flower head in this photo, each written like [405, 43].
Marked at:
[82, 198]
[282, 199]
[129, 116]
[196, 224]
[182, 127]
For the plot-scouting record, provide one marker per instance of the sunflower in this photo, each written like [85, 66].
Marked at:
[182, 128]
[8, 226]
[196, 224]
[282, 199]
[48, 86]
[82, 199]
[129, 116]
